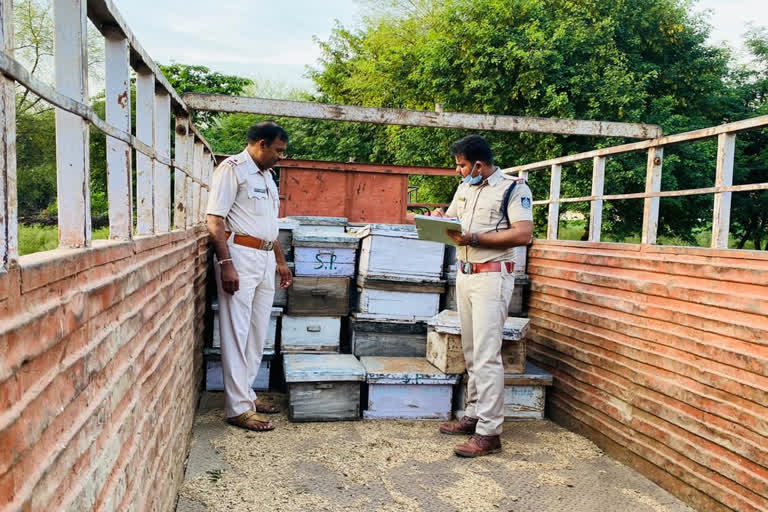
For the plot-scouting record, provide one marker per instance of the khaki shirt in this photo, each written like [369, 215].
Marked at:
[478, 207]
[245, 196]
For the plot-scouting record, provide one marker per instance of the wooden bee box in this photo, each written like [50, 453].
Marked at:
[323, 387]
[524, 394]
[379, 335]
[394, 250]
[415, 298]
[444, 348]
[407, 388]
[324, 296]
[314, 334]
[214, 378]
[327, 224]
[324, 253]
[285, 236]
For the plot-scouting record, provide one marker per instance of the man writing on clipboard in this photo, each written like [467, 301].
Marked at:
[496, 215]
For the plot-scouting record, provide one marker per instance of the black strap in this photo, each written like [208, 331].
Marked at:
[505, 204]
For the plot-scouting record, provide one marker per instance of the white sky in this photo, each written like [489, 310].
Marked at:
[268, 40]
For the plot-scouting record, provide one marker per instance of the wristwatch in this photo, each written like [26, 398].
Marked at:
[473, 241]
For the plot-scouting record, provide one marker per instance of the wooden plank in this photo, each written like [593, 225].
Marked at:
[325, 296]
[391, 283]
[145, 172]
[162, 180]
[8, 198]
[596, 206]
[324, 401]
[356, 167]
[72, 141]
[313, 110]
[404, 370]
[651, 206]
[118, 114]
[181, 147]
[705, 133]
[553, 219]
[721, 217]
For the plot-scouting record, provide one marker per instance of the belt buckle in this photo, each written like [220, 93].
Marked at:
[466, 267]
[268, 246]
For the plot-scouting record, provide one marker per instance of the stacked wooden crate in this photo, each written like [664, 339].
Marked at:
[398, 289]
[524, 384]
[287, 227]
[319, 298]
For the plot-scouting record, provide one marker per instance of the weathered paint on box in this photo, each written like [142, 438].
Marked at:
[398, 252]
[404, 370]
[419, 306]
[324, 261]
[324, 401]
[322, 223]
[445, 352]
[322, 296]
[285, 236]
[305, 237]
[408, 402]
[387, 338]
[322, 368]
[310, 334]
[407, 388]
[448, 322]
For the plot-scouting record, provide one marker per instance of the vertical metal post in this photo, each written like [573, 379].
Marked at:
[145, 119]
[596, 207]
[8, 200]
[118, 109]
[162, 203]
[554, 207]
[652, 184]
[721, 217]
[72, 142]
[198, 172]
[179, 178]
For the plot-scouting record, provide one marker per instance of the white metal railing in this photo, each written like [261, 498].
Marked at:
[155, 101]
[723, 189]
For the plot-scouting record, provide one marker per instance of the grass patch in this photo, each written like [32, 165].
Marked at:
[37, 238]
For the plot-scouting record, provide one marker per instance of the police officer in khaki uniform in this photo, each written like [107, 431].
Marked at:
[242, 215]
[484, 284]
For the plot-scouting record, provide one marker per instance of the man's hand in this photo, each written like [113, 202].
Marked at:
[230, 281]
[286, 278]
[460, 238]
[437, 212]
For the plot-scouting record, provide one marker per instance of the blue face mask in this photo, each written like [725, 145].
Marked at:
[473, 180]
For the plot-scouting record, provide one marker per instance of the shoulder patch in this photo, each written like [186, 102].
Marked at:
[526, 202]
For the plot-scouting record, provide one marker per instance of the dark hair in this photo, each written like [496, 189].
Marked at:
[473, 148]
[267, 131]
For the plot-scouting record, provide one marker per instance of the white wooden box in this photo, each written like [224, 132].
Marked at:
[524, 394]
[315, 334]
[332, 224]
[324, 253]
[281, 295]
[214, 378]
[269, 343]
[447, 322]
[323, 387]
[402, 305]
[407, 388]
[390, 251]
[382, 336]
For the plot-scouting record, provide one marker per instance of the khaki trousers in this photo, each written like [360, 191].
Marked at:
[483, 303]
[243, 323]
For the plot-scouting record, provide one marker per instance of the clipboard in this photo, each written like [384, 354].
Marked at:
[433, 228]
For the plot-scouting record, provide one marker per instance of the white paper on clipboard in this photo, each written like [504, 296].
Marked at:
[434, 228]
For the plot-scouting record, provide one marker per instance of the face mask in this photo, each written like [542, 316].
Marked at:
[473, 180]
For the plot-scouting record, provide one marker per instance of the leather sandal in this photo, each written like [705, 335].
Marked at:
[250, 420]
[265, 407]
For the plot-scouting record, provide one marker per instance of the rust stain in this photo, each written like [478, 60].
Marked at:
[122, 99]
[181, 129]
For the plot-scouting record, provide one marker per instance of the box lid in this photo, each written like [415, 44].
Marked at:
[303, 237]
[392, 230]
[447, 322]
[322, 368]
[404, 370]
[287, 223]
[385, 318]
[319, 221]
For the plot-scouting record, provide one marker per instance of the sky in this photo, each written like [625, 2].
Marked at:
[274, 41]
